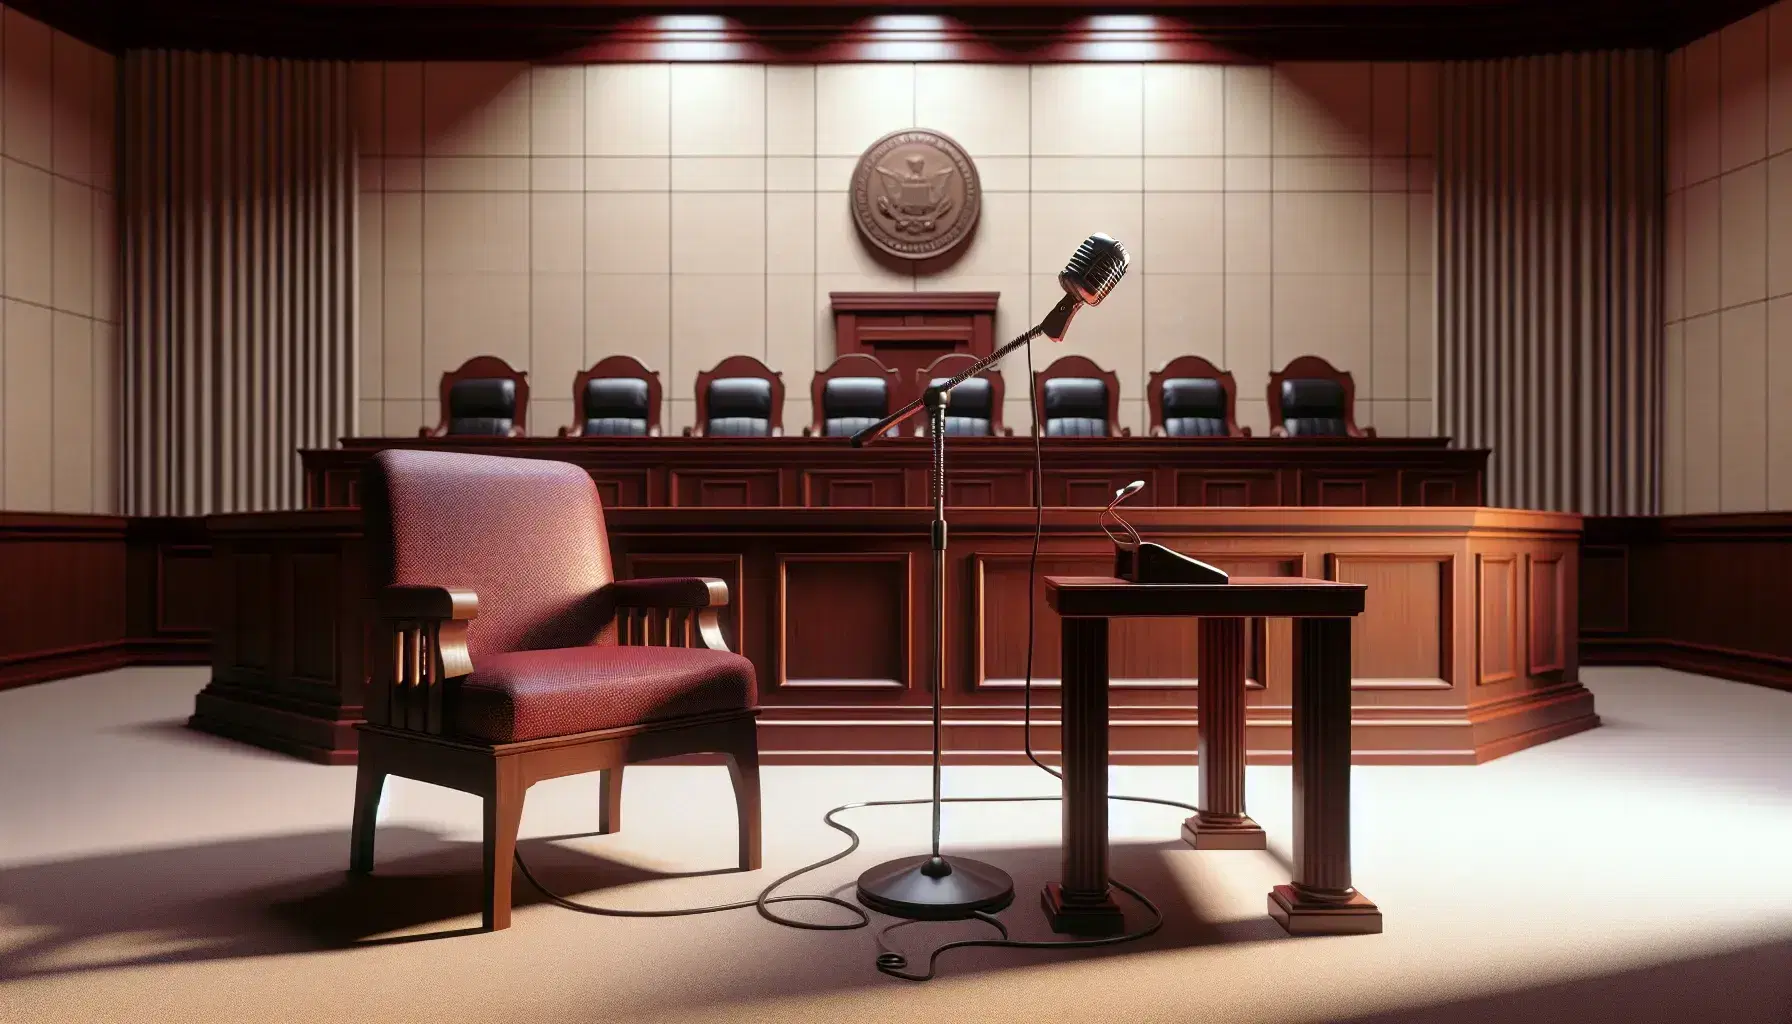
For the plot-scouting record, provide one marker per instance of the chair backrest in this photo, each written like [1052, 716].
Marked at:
[850, 404]
[614, 407]
[1076, 407]
[482, 405]
[525, 535]
[1194, 407]
[1313, 407]
[740, 407]
[971, 410]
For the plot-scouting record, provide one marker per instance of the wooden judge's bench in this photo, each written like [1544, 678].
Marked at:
[1465, 651]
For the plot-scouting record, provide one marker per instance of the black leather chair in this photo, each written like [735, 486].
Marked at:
[975, 409]
[850, 404]
[853, 393]
[1195, 407]
[1313, 408]
[614, 407]
[971, 410]
[1312, 398]
[739, 407]
[486, 407]
[1076, 407]
[740, 397]
[486, 397]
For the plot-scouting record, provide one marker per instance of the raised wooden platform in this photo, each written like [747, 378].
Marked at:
[809, 472]
[1465, 652]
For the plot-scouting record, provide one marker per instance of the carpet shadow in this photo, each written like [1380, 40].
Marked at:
[1752, 985]
[215, 901]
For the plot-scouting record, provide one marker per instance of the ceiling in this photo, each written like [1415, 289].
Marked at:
[814, 29]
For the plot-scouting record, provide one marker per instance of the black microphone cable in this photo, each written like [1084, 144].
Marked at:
[889, 961]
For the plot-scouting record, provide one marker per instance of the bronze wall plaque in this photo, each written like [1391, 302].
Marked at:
[915, 194]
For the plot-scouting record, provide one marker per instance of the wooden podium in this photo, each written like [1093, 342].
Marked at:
[1319, 900]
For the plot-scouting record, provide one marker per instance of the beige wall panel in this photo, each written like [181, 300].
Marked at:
[1779, 414]
[790, 111]
[1250, 331]
[1673, 444]
[1321, 109]
[557, 111]
[1321, 232]
[1183, 228]
[72, 399]
[1184, 314]
[855, 104]
[628, 110]
[1742, 89]
[29, 98]
[1185, 109]
[30, 406]
[70, 252]
[1779, 81]
[1703, 394]
[29, 226]
[1743, 398]
[1704, 248]
[556, 335]
[718, 109]
[73, 141]
[1088, 110]
[1743, 235]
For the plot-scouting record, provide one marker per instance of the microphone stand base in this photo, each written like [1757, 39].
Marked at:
[916, 889]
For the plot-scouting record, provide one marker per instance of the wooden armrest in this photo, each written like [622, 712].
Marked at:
[424, 602]
[1159, 432]
[1244, 431]
[1368, 431]
[1278, 431]
[670, 592]
[687, 432]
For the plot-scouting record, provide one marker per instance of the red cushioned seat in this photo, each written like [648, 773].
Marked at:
[526, 695]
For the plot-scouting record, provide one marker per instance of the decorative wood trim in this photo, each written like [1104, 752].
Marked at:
[906, 633]
[1689, 593]
[1557, 624]
[1446, 616]
[1509, 639]
[914, 302]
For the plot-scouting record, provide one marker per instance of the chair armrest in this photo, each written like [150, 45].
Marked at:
[808, 432]
[1244, 431]
[670, 592]
[425, 602]
[1278, 431]
[565, 432]
[1125, 431]
[1159, 432]
[1007, 431]
[687, 432]
[1368, 431]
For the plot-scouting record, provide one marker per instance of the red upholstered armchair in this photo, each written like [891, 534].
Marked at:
[510, 654]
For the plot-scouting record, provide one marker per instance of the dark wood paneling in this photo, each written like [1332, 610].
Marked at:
[861, 580]
[1702, 594]
[982, 471]
[88, 593]
[815, 30]
[846, 621]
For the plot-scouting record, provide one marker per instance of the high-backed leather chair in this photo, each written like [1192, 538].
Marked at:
[1078, 399]
[1191, 397]
[507, 653]
[975, 409]
[486, 397]
[617, 397]
[1312, 398]
[740, 397]
[850, 395]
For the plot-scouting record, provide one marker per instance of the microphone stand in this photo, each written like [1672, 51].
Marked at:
[933, 887]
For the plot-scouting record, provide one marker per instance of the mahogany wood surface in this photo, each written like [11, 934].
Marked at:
[86, 593]
[1320, 899]
[1702, 593]
[983, 471]
[908, 331]
[819, 30]
[1456, 661]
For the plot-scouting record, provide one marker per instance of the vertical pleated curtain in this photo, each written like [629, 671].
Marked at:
[238, 223]
[1549, 254]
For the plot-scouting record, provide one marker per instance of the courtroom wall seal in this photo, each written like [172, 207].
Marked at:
[915, 194]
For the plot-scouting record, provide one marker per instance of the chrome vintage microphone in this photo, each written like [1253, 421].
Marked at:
[933, 887]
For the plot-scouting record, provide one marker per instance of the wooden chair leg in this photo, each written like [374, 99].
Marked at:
[743, 767]
[370, 782]
[609, 810]
[503, 816]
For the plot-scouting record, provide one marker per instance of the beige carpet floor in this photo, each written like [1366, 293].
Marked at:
[1638, 872]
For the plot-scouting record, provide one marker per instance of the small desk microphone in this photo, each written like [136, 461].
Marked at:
[1140, 561]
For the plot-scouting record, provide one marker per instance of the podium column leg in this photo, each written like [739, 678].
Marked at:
[1320, 901]
[1221, 823]
[1081, 904]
